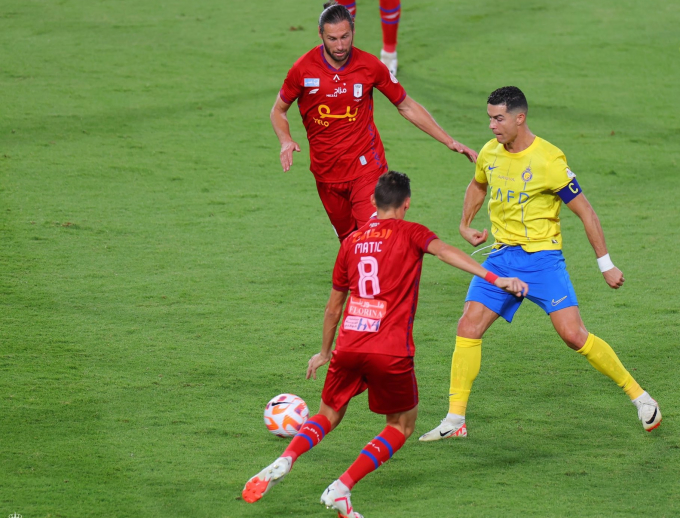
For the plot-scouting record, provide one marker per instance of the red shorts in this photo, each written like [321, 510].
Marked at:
[348, 204]
[391, 381]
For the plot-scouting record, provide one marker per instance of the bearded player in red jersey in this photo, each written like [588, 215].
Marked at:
[379, 265]
[333, 84]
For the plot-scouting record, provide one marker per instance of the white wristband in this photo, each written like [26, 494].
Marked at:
[605, 263]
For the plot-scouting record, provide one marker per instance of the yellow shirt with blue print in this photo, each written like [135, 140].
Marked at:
[524, 207]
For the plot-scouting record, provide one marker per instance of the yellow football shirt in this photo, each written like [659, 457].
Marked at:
[523, 205]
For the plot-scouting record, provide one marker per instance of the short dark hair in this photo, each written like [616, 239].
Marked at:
[511, 96]
[334, 13]
[392, 190]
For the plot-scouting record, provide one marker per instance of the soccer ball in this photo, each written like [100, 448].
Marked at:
[285, 414]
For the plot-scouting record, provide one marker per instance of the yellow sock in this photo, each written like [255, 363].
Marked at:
[465, 363]
[601, 356]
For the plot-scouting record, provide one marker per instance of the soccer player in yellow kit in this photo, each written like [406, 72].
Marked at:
[528, 179]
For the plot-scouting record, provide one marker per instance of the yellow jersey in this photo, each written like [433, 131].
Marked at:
[523, 205]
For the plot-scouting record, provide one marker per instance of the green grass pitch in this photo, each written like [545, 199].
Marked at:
[161, 278]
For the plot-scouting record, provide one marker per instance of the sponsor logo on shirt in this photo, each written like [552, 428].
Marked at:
[325, 113]
[338, 91]
[527, 174]
[371, 234]
[363, 325]
[313, 91]
[336, 78]
[358, 90]
[369, 308]
[311, 82]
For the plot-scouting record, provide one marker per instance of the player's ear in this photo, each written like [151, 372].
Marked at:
[373, 201]
[521, 117]
[407, 204]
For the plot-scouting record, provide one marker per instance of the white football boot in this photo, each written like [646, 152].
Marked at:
[447, 429]
[390, 60]
[336, 496]
[648, 411]
[260, 484]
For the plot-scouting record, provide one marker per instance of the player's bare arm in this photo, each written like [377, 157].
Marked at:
[331, 317]
[459, 259]
[421, 118]
[474, 198]
[591, 223]
[279, 118]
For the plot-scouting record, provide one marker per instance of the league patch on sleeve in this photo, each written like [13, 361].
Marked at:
[570, 174]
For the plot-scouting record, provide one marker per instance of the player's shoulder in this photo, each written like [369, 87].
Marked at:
[548, 150]
[491, 148]
[365, 59]
[363, 55]
[412, 227]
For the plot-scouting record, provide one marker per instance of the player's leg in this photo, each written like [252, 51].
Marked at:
[360, 198]
[393, 391]
[351, 6]
[390, 12]
[572, 330]
[335, 198]
[342, 383]
[311, 433]
[465, 364]
[484, 303]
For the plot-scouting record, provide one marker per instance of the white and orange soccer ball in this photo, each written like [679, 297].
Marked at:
[285, 414]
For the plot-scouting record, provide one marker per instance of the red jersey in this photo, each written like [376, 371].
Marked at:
[337, 110]
[380, 265]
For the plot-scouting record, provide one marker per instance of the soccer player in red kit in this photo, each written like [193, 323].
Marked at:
[333, 84]
[379, 267]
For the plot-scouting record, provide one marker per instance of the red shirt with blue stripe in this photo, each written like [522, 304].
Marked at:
[336, 106]
[380, 266]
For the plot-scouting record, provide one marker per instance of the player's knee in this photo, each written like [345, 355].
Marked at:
[574, 338]
[469, 327]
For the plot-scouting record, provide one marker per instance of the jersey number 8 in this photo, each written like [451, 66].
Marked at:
[368, 272]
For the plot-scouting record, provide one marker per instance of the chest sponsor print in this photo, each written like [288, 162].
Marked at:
[325, 113]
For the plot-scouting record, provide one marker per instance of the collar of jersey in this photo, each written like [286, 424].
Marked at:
[331, 67]
[523, 152]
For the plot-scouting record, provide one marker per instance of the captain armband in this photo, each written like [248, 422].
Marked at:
[570, 191]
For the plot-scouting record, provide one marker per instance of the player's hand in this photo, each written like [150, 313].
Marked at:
[614, 278]
[287, 154]
[473, 236]
[512, 285]
[315, 362]
[456, 146]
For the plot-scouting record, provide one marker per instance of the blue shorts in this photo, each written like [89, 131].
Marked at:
[545, 272]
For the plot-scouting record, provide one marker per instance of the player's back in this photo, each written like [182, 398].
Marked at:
[381, 265]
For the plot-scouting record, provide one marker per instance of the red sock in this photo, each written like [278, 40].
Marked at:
[390, 10]
[309, 436]
[374, 455]
[351, 6]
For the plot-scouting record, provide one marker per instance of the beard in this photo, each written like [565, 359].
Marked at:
[333, 56]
